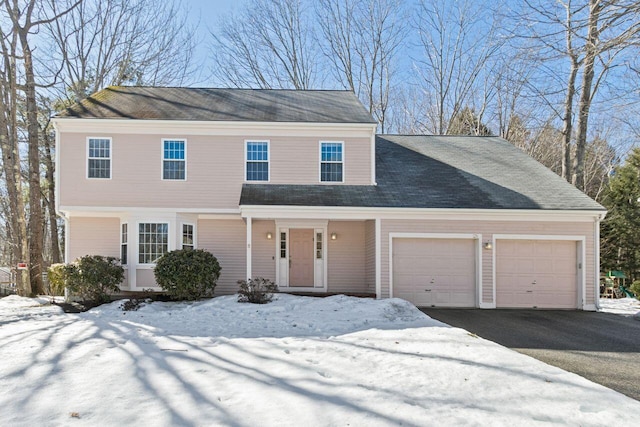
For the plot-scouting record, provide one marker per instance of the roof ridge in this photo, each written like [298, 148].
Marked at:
[229, 88]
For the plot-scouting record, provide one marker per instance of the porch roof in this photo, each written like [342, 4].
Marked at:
[438, 172]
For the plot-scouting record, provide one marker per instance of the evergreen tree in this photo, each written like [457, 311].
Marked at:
[620, 236]
[467, 122]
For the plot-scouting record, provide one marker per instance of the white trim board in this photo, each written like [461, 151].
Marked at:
[248, 129]
[362, 213]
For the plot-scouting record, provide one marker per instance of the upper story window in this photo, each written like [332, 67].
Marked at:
[99, 158]
[331, 162]
[174, 155]
[153, 241]
[257, 160]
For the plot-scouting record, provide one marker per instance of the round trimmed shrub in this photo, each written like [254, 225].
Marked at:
[187, 274]
[94, 277]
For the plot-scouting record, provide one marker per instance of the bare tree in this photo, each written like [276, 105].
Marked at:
[566, 39]
[268, 45]
[113, 42]
[361, 41]
[459, 53]
[22, 21]
[612, 28]
[11, 159]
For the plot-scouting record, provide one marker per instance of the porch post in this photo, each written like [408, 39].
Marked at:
[249, 233]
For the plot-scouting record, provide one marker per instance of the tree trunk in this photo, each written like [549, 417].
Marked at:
[51, 199]
[567, 127]
[11, 161]
[591, 52]
[36, 219]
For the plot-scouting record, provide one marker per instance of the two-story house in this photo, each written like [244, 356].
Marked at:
[295, 186]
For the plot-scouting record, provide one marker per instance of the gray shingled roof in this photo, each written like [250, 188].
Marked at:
[439, 172]
[255, 105]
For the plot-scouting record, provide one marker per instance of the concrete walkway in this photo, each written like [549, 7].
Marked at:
[602, 347]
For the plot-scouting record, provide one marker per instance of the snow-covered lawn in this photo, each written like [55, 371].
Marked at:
[625, 306]
[298, 361]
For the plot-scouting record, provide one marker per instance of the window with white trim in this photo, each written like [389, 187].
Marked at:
[257, 161]
[174, 159]
[123, 243]
[331, 164]
[99, 158]
[283, 245]
[187, 236]
[153, 241]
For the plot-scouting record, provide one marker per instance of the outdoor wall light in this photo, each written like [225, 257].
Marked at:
[269, 235]
[488, 245]
[334, 236]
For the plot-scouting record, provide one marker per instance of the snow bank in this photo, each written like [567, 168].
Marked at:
[297, 361]
[285, 316]
[624, 306]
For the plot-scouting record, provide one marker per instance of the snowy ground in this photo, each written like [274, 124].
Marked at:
[298, 361]
[624, 306]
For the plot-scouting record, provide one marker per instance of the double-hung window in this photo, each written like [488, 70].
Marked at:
[99, 158]
[123, 243]
[153, 241]
[257, 158]
[174, 159]
[331, 162]
[187, 236]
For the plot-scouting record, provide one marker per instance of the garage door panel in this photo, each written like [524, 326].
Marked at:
[435, 272]
[545, 278]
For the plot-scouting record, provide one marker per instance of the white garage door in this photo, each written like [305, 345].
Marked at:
[536, 274]
[435, 272]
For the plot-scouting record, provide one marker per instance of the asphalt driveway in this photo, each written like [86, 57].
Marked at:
[602, 347]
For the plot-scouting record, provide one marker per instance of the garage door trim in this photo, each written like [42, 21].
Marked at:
[466, 236]
[582, 272]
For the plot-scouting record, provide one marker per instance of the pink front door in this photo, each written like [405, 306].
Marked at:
[301, 257]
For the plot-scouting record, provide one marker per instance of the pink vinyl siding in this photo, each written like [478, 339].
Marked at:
[263, 263]
[370, 255]
[215, 169]
[488, 229]
[93, 236]
[346, 257]
[226, 240]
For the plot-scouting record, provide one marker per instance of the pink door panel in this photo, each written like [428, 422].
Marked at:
[301, 258]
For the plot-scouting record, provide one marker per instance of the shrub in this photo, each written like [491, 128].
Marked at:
[187, 274]
[256, 291]
[138, 300]
[635, 288]
[94, 277]
[56, 273]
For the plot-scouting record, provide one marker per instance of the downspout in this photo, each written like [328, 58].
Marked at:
[596, 251]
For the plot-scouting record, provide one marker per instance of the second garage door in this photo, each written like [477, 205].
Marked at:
[536, 274]
[435, 272]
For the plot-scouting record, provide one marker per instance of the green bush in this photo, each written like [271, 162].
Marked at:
[94, 277]
[256, 291]
[56, 274]
[187, 274]
[635, 288]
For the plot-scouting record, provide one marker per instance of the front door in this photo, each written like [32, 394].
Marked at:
[301, 257]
